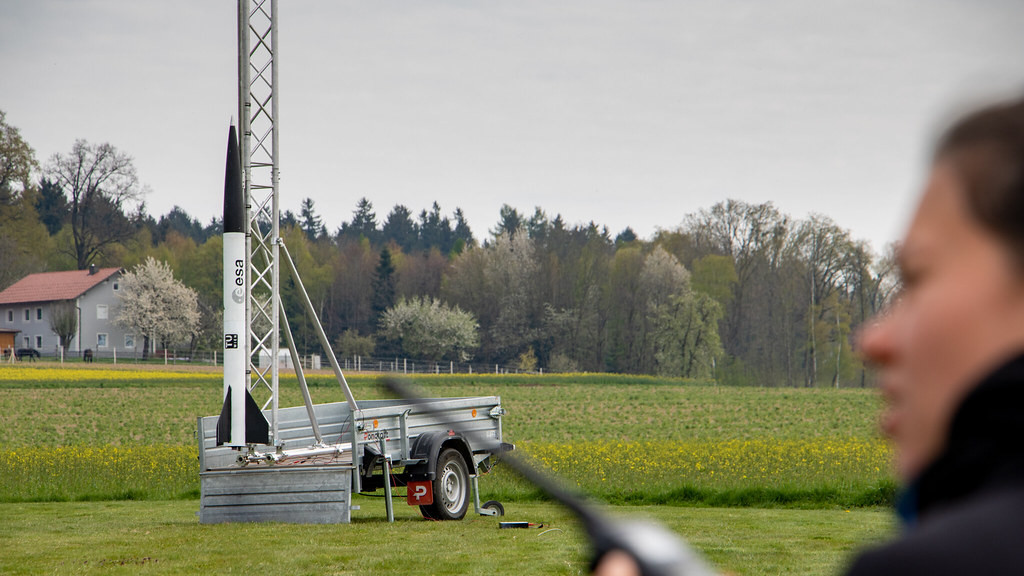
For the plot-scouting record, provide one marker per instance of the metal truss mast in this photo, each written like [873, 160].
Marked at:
[257, 101]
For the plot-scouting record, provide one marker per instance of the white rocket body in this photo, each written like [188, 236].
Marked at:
[235, 335]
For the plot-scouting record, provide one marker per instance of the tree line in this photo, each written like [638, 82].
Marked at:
[739, 292]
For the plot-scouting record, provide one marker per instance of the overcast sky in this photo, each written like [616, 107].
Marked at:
[627, 113]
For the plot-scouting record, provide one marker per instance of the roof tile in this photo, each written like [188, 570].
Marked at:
[53, 286]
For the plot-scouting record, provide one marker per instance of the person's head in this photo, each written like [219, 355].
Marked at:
[961, 310]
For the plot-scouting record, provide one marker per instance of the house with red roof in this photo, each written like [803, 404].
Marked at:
[27, 306]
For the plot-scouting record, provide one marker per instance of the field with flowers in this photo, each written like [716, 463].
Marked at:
[53, 375]
[50, 474]
[804, 473]
[93, 433]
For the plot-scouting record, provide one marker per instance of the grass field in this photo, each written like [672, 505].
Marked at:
[99, 476]
[626, 439]
[163, 537]
[53, 407]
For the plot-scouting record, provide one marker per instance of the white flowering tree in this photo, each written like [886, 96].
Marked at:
[156, 305]
[429, 329]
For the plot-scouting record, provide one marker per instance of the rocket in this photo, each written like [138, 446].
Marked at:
[241, 422]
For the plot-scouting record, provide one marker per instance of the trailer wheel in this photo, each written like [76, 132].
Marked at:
[494, 505]
[451, 488]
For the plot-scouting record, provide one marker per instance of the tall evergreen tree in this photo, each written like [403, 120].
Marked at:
[538, 224]
[462, 234]
[310, 221]
[625, 237]
[509, 221]
[435, 230]
[289, 220]
[52, 206]
[179, 221]
[215, 227]
[364, 223]
[383, 285]
[400, 228]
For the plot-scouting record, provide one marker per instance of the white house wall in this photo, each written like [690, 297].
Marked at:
[103, 294]
[34, 332]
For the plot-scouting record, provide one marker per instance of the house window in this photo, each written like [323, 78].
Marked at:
[26, 341]
[101, 311]
[10, 315]
[117, 286]
[28, 314]
[39, 341]
[101, 340]
[129, 341]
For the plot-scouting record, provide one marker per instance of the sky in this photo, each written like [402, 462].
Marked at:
[622, 112]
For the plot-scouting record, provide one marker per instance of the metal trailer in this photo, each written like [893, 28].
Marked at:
[308, 480]
[315, 456]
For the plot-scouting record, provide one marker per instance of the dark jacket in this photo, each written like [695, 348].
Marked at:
[965, 513]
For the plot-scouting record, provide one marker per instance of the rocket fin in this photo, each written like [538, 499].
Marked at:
[224, 422]
[257, 429]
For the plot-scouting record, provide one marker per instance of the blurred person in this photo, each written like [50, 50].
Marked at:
[950, 354]
[950, 357]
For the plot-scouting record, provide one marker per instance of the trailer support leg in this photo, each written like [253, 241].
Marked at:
[476, 495]
[357, 452]
[387, 482]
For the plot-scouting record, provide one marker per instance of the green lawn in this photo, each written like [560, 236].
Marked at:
[164, 537]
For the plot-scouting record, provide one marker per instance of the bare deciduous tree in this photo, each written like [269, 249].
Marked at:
[64, 321]
[104, 197]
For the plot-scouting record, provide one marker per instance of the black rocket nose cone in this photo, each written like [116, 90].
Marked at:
[234, 207]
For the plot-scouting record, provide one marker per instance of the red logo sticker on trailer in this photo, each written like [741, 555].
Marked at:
[421, 493]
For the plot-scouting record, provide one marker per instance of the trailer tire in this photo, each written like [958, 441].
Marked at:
[494, 505]
[451, 488]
